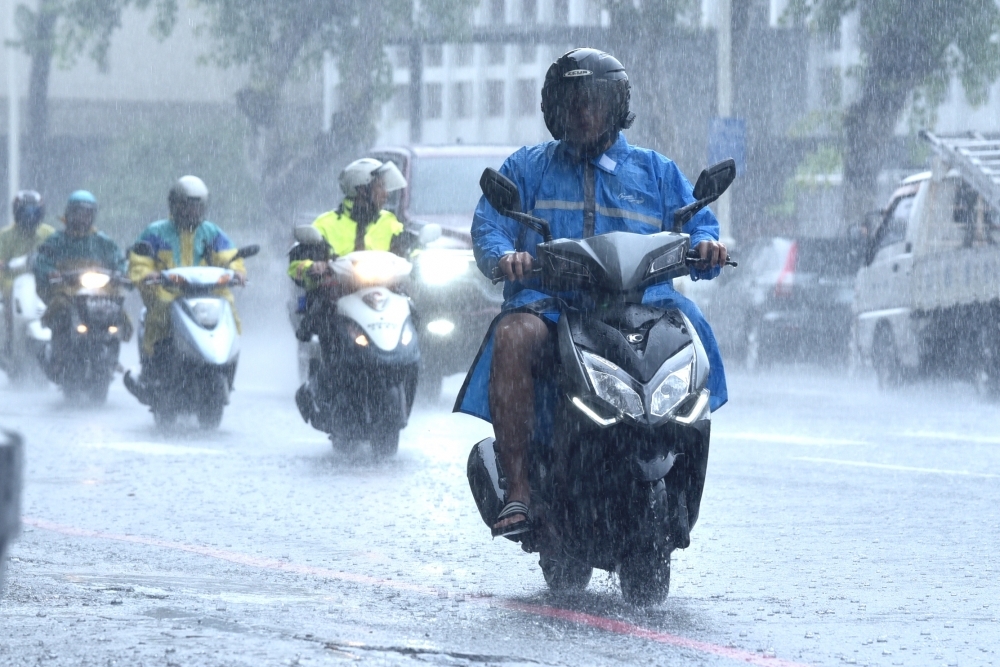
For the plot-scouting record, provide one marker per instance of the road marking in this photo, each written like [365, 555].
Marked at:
[589, 620]
[953, 437]
[152, 448]
[887, 466]
[787, 439]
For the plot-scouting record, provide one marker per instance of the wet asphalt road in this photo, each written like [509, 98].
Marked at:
[839, 526]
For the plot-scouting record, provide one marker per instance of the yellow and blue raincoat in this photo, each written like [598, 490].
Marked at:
[205, 245]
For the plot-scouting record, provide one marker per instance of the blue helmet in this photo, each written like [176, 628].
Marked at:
[82, 199]
[81, 209]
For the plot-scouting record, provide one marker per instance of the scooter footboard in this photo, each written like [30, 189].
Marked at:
[486, 480]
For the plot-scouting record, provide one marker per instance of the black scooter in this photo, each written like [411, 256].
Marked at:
[617, 482]
[83, 354]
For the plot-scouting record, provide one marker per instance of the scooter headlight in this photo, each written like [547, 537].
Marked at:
[605, 376]
[676, 386]
[94, 280]
[206, 312]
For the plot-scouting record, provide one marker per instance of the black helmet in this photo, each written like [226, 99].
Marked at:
[592, 72]
[28, 208]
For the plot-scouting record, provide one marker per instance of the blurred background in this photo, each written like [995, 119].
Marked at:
[819, 102]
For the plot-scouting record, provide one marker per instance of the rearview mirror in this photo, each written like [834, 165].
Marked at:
[308, 235]
[500, 192]
[429, 233]
[247, 251]
[715, 180]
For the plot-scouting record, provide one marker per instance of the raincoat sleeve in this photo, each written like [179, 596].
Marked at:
[677, 192]
[494, 235]
[45, 264]
[222, 253]
[140, 266]
[298, 267]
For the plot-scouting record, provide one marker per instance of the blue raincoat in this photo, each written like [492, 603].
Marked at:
[626, 189]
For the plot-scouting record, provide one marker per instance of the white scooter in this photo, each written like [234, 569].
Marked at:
[192, 372]
[22, 336]
[362, 386]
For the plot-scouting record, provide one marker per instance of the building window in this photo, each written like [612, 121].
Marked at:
[496, 54]
[401, 102]
[560, 12]
[434, 55]
[461, 99]
[528, 53]
[498, 13]
[527, 103]
[494, 98]
[432, 100]
[529, 11]
[463, 55]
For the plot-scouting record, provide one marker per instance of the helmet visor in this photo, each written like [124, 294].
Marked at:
[588, 112]
[79, 217]
[391, 177]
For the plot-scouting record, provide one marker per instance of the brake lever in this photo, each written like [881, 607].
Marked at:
[694, 258]
[499, 277]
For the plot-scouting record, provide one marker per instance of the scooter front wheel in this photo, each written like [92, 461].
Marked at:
[645, 577]
[385, 443]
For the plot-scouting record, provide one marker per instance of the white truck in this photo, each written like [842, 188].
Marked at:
[927, 300]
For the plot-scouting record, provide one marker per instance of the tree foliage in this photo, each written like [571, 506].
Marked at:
[64, 30]
[911, 52]
[277, 40]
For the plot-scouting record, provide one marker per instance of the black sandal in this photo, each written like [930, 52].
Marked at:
[513, 508]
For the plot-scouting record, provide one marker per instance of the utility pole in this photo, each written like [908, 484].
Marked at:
[13, 105]
[724, 99]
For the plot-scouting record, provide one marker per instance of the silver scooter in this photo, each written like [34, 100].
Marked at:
[192, 371]
[22, 336]
[361, 388]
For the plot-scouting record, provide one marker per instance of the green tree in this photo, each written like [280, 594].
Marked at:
[276, 40]
[61, 31]
[910, 52]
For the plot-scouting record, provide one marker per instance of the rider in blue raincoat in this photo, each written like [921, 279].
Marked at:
[588, 181]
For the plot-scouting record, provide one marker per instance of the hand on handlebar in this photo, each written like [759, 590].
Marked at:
[154, 278]
[239, 279]
[515, 266]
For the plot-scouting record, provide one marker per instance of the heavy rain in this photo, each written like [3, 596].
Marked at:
[500, 332]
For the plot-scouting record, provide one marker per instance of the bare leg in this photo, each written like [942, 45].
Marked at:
[519, 343]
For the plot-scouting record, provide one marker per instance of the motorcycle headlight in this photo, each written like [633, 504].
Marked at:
[94, 280]
[677, 385]
[206, 312]
[380, 268]
[440, 267]
[604, 375]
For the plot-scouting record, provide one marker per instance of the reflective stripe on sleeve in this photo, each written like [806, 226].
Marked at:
[556, 204]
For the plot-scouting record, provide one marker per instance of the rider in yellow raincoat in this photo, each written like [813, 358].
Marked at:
[184, 239]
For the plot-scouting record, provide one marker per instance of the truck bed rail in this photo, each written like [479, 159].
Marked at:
[976, 155]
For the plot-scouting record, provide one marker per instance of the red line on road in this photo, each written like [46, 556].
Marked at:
[580, 618]
[623, 628]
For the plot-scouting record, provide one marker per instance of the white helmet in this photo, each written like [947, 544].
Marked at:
[362, 172]
[190, 187]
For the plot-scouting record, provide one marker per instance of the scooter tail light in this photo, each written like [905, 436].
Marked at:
[783, 286]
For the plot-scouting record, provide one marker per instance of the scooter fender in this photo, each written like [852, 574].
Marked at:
[485, 477]
[383, 325]
[39, 333]
[217, 346]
